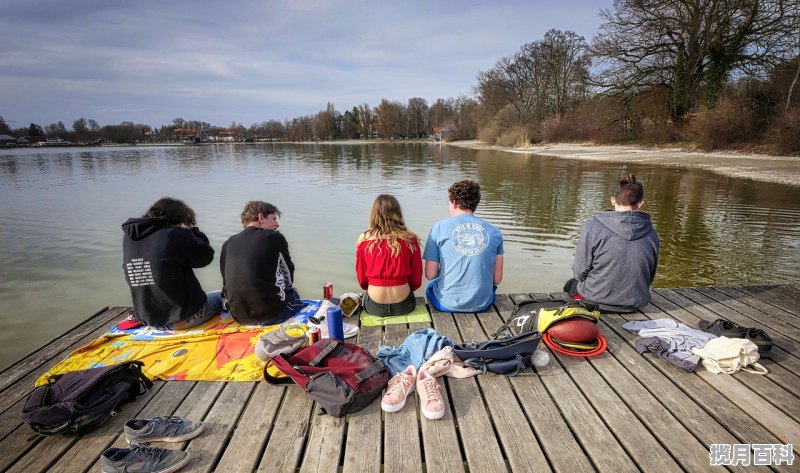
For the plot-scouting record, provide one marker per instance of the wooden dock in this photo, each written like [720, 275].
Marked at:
[617, 412]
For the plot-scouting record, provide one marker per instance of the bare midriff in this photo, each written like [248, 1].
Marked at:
[388, 294]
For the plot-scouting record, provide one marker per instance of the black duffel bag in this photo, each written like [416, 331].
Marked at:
[507, 356]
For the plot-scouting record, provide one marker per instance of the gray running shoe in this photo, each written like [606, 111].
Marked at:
[161, 429]
[141, 459]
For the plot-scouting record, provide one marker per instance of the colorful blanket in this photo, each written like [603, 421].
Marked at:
[419, 314]
[218, 350]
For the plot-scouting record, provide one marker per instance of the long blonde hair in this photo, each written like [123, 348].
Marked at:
[386, 223]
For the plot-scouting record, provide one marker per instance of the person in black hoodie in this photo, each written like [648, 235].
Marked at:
[257, 270]
[617, 254]
[159, 251]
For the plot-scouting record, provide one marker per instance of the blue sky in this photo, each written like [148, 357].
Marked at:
[250, 61]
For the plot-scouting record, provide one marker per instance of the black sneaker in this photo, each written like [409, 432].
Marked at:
[161, 429]
[142, 459]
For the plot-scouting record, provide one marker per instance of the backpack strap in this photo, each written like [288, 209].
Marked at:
[144, 383]
[374, 368]
[278, 381]
[324, 353]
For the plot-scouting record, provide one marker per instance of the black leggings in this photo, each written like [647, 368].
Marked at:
[398, 308]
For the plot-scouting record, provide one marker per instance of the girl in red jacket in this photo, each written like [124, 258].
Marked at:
[388, 260]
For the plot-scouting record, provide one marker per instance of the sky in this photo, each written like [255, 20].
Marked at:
[250, 61]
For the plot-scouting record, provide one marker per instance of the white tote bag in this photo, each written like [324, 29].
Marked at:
[729, 355]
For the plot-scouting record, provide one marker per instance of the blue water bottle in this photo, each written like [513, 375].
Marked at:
[335, 324]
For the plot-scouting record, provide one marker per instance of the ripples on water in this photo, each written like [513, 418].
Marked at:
[60, 240]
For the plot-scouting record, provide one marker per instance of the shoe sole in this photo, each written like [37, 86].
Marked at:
[432, 415]
[182, 438]
[176, 466]
[392, 408]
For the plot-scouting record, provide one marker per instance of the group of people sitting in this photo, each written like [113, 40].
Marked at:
[615, 261]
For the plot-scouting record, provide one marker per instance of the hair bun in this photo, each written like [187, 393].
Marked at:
[628, 179]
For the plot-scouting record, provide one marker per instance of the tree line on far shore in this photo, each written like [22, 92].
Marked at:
[721, 74]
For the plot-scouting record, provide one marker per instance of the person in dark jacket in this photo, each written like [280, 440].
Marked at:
[159, 251]
[617, 254]
[257, 270]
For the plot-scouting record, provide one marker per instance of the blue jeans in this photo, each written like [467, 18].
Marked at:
[212, 307]
[415, 350]
[435, 302]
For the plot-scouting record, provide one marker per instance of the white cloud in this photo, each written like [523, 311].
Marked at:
[251, 61]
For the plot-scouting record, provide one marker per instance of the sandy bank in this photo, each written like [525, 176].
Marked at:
[759, 167]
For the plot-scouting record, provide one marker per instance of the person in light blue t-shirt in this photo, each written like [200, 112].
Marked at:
[463, 255]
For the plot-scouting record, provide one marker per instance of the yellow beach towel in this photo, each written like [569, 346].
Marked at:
[218, 350]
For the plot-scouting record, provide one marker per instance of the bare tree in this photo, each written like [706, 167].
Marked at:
[690, 46]
[417, 117]
[543, 78]
[391, 119]
[365, 120]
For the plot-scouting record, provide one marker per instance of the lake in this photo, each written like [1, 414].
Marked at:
[60, 237]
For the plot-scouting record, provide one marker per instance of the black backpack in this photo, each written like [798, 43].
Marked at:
[77, 402]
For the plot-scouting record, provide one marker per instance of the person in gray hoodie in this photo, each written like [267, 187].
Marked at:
[617, 254]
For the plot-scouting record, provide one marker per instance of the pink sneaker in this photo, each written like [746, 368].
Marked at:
[430, 398]
[400, 386]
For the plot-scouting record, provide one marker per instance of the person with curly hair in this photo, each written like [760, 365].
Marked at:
[160, 250]
[388, 260]
[463, 255]
[617, 254]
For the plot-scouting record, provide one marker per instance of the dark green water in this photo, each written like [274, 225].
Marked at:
[60, 237]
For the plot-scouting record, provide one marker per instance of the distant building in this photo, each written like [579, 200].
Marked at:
[24, 141]
[7, 140]
[445, 132]
[185, 134]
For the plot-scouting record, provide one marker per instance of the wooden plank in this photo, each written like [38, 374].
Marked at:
[751, 317]
[286, 444]
[24, 384]
[519, 444]
[324, 446]
[684, 428]
[87, 451]
[637, 440]
[253, 429]
[738, 394]
[560, 446]
[363, 446]
[206, 449]
[478, 439]
[402, 447]
[709, 417]
[781, 310]
[46, 455]
[194, 406]
[775, 297]
[695, 310]
[603, 448]
[440, 441]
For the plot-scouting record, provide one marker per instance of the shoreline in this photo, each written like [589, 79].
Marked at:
[757, 167]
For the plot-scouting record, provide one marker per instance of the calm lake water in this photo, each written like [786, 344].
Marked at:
[60, 236]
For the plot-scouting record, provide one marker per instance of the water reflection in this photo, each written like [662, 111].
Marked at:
[62, 210]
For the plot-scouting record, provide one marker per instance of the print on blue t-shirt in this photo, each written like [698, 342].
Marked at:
[465, 246]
